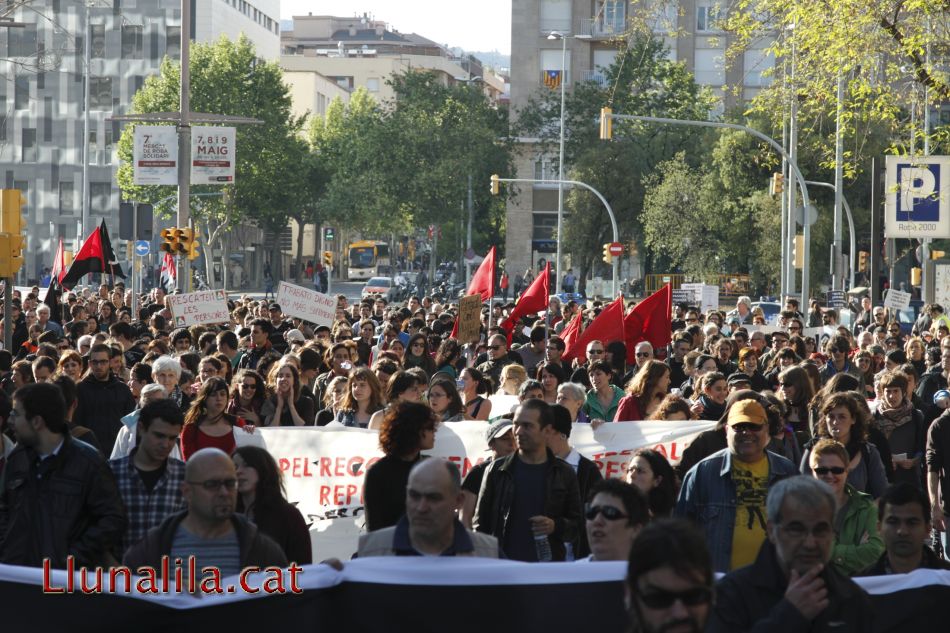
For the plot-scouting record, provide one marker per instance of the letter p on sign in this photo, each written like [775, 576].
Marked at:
[917, 183]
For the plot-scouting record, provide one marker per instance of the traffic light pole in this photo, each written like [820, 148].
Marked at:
[577, 183]
[7, 312]
[806, 201]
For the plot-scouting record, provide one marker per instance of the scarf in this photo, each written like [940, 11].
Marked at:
[891, 419]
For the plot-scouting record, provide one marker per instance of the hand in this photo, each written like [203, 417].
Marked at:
[249, 428]
[596, 423]
[249, 416]
[697, 409]
[334, 563]
[808, 593]
[542, 525]
[906, 464]
[938, 521]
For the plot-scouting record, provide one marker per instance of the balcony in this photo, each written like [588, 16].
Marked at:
[596, 76]
[601, 28]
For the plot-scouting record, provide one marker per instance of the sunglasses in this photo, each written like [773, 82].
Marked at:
[610, 513]
[494, 348]
[595, 351]
[747, 427]
[659, 599]
[834, 470]
[643, 355]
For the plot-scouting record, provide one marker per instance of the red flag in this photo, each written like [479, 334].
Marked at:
[650, 320]
[532, 300]
[573, 329]
[95, 256]
[483, 281]
[607, 327]
[169, 273]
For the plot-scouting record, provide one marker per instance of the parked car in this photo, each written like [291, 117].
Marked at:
[770, 309]
[384, 286]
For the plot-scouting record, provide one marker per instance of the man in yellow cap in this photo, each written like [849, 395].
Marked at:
[725, 493]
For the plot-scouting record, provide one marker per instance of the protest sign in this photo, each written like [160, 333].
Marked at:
[306, 304]
[199, 308]
[323, 467]
[897, 299]
[470, 318]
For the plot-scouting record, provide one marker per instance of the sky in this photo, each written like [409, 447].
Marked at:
[484, 25]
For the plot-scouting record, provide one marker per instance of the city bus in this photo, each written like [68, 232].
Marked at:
[368, 258]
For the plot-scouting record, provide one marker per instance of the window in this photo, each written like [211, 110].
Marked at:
[544, 226]
[100, 93]
[48, 119]
[22, 41]
[173, 41]
[706, 16]
[545, 168]
[29, 145]
[551, 60]
[344, 82]
[92, 146]
[97, 42]
[556, 16]
[21, 95]
[108, 147]
[614, 16]
[710, 68]
[100, 197]
[67, 198]
[131, 41]
[665, 17]
[372, 84]
[755, 62]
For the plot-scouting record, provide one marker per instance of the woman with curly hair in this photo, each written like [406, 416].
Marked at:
[70, 364]
[845, 419]
[362, 398]
[672, 408]
[417, 354]
[447, 357]
[644, 392]
[262, 499]
[650, 471]
[248, 394]
[408, 429]
[207, 424]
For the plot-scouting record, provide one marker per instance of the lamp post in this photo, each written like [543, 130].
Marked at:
[560, 160]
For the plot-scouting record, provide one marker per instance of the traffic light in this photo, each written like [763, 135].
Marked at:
[937, 254]
[863, 260]
[11, 227]
[328, 258]
[169, 241]
[494, 185]
[606, 123]
[608, 258]
[777, 185]
[915, 276]
[798, 251]
[188, 244]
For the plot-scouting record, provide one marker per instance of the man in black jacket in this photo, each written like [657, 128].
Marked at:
[209, 530]
[790, 587]
[530, 494]
[58, 497]
[102, 398]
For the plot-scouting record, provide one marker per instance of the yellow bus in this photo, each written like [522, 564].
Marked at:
[368, 258]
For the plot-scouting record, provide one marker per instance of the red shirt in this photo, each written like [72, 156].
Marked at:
[194, 439]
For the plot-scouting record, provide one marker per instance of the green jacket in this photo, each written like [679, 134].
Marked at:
[858, 544]
[593, 409]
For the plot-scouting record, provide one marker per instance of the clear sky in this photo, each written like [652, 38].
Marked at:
[482, 25]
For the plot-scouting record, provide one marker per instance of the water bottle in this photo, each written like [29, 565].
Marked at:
[542, 548]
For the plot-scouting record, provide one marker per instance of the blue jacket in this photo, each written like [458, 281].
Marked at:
[708, 497]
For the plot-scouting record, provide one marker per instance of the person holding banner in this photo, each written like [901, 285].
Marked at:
[644, 393]
[286, 407]
[207, 425]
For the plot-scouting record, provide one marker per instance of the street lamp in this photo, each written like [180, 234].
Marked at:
[560, 161]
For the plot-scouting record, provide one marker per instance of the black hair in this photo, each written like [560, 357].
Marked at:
[163, 408]
[675, 543]
[900, 494]
[545, 414]
[45, 400]
[634, 502]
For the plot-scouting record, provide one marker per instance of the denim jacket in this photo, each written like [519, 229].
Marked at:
[708, 497]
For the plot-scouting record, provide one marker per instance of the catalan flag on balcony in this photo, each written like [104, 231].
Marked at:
[552, 79]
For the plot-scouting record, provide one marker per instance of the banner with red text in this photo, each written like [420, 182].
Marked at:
[323, 467]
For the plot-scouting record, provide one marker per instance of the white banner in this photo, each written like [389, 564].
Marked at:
[323, 467]
[306, 304]
[212, 155]
[196, 308]
[897, 299]
[155, 155]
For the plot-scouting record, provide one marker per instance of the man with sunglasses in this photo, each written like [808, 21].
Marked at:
[790, 586]
[669, 584]
[209, 530]
[498, 358]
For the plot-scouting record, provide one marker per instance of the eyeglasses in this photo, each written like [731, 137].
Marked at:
[610, 513]
[246, 385]
[213, 485]
[660, 599]
[644, 354]
[834, 470]
[595, 351]
[494, 348]
[633, 470]
[799, 531]
[794, 328]
[101, 361]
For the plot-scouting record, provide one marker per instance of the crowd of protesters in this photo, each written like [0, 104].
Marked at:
[127, 438]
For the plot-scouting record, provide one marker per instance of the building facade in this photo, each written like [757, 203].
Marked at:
[592, 28]
[42, 98]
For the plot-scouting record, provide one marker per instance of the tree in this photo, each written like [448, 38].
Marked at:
[226, 78]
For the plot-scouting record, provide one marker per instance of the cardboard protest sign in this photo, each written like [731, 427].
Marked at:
[199, 308]
[306, 304]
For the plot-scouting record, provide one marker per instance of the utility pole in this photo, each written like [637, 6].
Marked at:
[837, 279]
[468, 233]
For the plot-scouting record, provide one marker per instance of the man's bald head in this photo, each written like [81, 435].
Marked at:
[204, 460]
[437, 470]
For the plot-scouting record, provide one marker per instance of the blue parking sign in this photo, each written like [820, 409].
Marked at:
[917, 202]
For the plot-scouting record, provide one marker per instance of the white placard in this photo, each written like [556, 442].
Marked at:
[306, 304]
[155, 155]
[710, 298]
[198, 308]
[917, 196]
[212, 155]
[897, 299]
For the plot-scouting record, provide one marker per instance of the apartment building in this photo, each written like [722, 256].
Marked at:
[591, 28]
[41, 97]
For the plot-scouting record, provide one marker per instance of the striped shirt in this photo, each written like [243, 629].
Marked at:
[147, 508]
[223, 553]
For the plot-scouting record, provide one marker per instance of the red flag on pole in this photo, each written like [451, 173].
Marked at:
[573, 329]
[483, 281]
[607, 327]
[169, 273]
[650, 320]
[532, 300]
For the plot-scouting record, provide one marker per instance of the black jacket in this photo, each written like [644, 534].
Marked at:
[751, 599]
[100, 405]
[587, 476]
[562, 502]
[930, 383]
[257, 549]
[66, 505]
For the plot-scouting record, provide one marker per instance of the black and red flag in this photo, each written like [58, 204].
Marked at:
[55, 290]
[95, 256]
